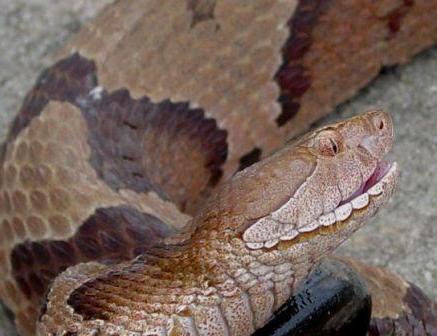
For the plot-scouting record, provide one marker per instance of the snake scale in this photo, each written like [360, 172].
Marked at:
[149, 186]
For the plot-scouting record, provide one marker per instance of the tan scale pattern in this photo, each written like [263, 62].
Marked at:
[223, 63]
[398, 307]
[49, 189]
[229, 75]
[238, 52]
[350, 44]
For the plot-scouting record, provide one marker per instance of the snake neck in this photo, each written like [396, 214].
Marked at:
[183, 284]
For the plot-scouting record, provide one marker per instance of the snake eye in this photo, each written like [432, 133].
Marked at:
[328, 143]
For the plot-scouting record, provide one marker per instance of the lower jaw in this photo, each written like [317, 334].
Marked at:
[378, 195]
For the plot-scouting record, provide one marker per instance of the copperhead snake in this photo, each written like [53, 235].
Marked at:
[125, 148]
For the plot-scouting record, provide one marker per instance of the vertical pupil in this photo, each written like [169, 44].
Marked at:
[334, 146]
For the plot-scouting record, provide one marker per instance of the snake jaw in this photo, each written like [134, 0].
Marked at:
[375, 192]
[349, 172]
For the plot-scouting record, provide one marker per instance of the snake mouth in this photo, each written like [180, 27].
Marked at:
[374, 187]
[351, 213]
[380, 171]
[369, 197]
[382, 168]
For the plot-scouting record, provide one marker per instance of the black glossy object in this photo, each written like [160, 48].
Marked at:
[334, 300]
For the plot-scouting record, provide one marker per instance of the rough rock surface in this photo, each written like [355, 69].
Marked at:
[402, 237]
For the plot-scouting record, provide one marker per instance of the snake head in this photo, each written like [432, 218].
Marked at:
[318, 190]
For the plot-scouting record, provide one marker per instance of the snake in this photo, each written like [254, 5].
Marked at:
[157, 179]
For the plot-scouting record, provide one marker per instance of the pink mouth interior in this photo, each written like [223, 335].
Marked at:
[381, 169]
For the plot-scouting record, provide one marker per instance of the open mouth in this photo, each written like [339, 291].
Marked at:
[380, 171]
[373, 186]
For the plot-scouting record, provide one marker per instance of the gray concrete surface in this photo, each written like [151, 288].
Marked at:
[402, 237]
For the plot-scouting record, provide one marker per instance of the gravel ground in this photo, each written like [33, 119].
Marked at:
[402, 237]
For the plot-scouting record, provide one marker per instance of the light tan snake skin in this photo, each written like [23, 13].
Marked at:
[151, 159]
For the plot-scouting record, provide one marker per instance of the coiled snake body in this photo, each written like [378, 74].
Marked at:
[123, 161]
